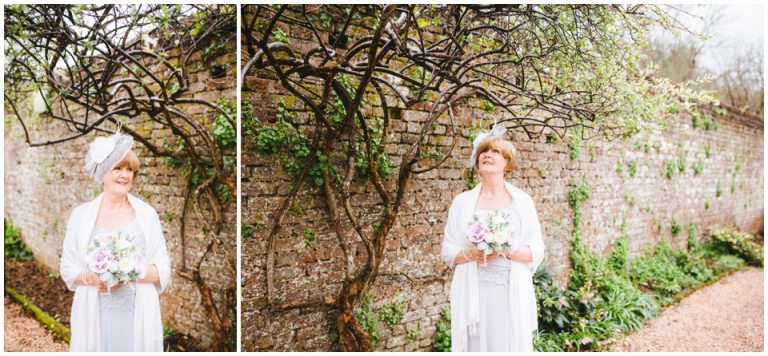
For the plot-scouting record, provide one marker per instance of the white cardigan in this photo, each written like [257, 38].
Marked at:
[85, 326]
[465, 308]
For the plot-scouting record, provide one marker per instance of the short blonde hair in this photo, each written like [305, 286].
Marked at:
[131, 161]
[504, 146]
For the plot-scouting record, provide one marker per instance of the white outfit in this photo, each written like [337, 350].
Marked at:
[473, 301]
[85, 321]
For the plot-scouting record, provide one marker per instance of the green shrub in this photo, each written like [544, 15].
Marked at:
[547, 342]
[693, 241]
[14, 245]
[742, 245]
[660, 273]
[728, 262]
[618, 257]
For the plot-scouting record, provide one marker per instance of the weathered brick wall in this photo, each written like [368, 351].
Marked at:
[44, 184]
[412, 265]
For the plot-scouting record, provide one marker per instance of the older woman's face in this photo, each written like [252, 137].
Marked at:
[491, 162]
[119, 180]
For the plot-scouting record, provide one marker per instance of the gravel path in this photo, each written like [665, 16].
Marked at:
[726, 316]
[23, 333]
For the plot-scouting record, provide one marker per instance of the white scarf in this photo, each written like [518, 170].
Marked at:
[465, 308]
[84, 321]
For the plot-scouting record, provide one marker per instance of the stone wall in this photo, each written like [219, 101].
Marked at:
[647, 199]
[44, 184]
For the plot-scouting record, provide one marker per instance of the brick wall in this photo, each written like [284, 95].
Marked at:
[412, 265]
[44, 184]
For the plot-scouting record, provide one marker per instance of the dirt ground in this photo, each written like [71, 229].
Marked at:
[727, 316]
[23, 333]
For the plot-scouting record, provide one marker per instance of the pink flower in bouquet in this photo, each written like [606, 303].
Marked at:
[100, 259]
[512, 237]
[141, 265]
[478, 231]
[104, 239]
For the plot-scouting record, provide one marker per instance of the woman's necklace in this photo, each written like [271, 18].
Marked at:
[119, 210]
[492, 197]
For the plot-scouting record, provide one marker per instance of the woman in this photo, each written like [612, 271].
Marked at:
[493, 308]
[128, 317]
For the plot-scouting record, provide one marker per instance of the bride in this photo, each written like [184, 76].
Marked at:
[123, 318]
[493, 307]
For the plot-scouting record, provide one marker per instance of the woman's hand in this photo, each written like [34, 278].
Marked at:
[522, 254]
[103, 286]
[488, 258]
[472, 253]
[152, 276]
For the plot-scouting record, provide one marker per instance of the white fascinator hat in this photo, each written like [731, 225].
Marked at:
[106, 152]
[496, 131]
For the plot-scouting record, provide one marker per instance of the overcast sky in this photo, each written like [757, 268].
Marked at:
[740, 26]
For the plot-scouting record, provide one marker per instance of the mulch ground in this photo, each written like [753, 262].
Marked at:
[48, 291]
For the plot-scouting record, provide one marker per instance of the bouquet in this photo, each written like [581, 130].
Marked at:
[115, 258]
[492, 231]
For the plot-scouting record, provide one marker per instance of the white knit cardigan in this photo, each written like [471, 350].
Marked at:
[465, 308]
[85, 326]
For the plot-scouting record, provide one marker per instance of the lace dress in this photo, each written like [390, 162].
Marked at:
[116, 312]
[495, 328]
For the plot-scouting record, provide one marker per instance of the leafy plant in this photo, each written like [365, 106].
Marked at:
[682, 161]
[367, 318]
[676, 227]
[443, 332]
[574, 144]
[245, 231]
[391, 313]
[698, 167]
[719, 190]
[708, 150]
[707, 121]
[309, 237]
[693, 241]
[223, 132]
[671, 168]
[14, 245]
[696, 119]
[620, 253]
[633, 167]
[743, 245]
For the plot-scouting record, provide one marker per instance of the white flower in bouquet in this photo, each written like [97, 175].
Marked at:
[113, 266]
[499, 238]
[127, 265]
